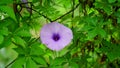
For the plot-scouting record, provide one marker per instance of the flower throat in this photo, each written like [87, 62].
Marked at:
[56, 37]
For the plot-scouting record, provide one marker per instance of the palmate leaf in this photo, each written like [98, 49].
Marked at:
[36, 49]
[117, 14]
[22, 32]
[5, 22]
[20, 51]
[118, 20]
[19, 40]
[4, 31]
[102, 5]
[57, 61]
[56, 66]
[102, 32]
[73, 65]
[19, 62]
[111, 50]
[39, 60]
[30, 63]
[9, 11]
[7, 42]
[92, 34]
[114, 53]
[96, 31]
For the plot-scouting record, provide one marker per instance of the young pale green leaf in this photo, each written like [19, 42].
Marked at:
[9, 11]
[19, 62]
[39, 60]
[1, 39]
[30, 63]
[19, 40]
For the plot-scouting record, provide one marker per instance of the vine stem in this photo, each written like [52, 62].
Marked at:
[56, 18]
[67, 12]
[39, 13]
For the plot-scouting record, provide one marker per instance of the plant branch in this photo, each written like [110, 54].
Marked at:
[39, 13]
[67, 12]
[56, 18]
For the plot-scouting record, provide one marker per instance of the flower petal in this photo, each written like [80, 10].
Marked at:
[47, 32]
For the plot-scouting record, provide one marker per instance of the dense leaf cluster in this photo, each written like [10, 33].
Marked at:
[95, 25]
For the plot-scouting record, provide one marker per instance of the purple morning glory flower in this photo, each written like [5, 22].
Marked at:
[55, 36]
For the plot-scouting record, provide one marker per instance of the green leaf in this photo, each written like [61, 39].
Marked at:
[107, 9]
[118, 20]
[102, 32]
[39, 60]
[30, 63]
[56, 67]
[102, 5]
[63, 52]
[111, 50]
[23, 33]
[4, 31]
[57, 61]
[7, 42]
[9, 11]
[5, 22]
[3, 2]
[19, 40]
[19, 62]
[117, 14]
[92, 34]
[73, 65]
[20, 51]
[36, 50]
[111, 1]
[1, 39]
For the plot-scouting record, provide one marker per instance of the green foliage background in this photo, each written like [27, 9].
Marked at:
[95, 25]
